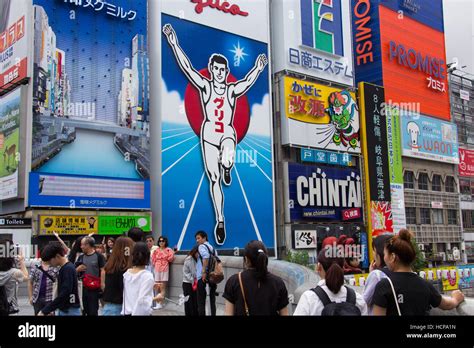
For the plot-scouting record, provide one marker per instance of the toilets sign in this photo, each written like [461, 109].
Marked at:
[429, 138]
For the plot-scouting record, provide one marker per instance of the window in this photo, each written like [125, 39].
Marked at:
[436, 184]
[438, 216]
[409, 180]
[425, 218]
[410, 213]
[465, 187]
[467, 219]
[423, 181]
[450, 184]
[452, 217]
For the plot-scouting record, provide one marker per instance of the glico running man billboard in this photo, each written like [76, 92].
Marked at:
[90, 105]
[216, 126]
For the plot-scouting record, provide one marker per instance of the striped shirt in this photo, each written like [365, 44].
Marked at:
[36, 276]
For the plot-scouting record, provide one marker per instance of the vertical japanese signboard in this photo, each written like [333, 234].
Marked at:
[395, 167]
[377, 177]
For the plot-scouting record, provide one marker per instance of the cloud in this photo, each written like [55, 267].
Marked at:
[172, 109]
[260, 120]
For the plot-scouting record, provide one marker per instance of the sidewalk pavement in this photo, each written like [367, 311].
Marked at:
[170, 309]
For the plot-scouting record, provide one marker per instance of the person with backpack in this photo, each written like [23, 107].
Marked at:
[119, 262]
[9, 279]
[161, 259]
[207, 253]
[403, 292]
[331, 297]
[41, 285]
[377, 271]
[255, 291]
[67, 301]
[89, 266]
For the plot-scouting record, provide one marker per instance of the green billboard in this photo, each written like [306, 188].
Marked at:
[116, 225]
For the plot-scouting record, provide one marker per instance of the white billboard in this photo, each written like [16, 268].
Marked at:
[313, 37]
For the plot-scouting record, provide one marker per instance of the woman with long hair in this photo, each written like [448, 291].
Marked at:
[378, 269]
[413, 294]
[190, 282]
[331, 271]
[138, 284]
[255, 291]
[119, 262]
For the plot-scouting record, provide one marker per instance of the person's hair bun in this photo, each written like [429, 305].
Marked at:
[405, 235]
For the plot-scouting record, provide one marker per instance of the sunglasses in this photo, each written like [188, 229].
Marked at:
[161, 241]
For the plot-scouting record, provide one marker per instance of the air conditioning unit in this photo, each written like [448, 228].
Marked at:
[421, 247]
[443, 255]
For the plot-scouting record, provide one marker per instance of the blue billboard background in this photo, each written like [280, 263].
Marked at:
[186, 200]
[36, 198]
[91, 86]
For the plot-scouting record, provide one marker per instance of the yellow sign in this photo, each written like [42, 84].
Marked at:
[69, 225]
[448, 275]
[315, 103]
[358, 277]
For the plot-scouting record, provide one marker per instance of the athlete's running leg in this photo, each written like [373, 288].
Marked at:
[228, 159]
[211, 158]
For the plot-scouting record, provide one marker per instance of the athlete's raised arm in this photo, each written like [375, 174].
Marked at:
[241, 87]
[183, 61]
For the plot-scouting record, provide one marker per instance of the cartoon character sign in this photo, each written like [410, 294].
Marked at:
[342, 110]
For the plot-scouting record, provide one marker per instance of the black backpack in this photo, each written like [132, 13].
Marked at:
[347, 308]
[4, 305]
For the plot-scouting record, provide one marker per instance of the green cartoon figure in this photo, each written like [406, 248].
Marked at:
[342, 110]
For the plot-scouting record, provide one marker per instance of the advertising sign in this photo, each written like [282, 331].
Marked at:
[67, 224]
[464, 95]
[395, 168]
[305, 239]
[429, 138]
[375, 151]
[90, 95]
[319, 116]
[466, 277]
[10, 116]
[88, 192]
[217, 156]
[118, 225]
[327, 157]
[313, 37]
[412, 68]
[466, 163]
[14, 31]
[324, 193]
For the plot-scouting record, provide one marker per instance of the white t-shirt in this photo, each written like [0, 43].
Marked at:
[310, 304]
[137, 293]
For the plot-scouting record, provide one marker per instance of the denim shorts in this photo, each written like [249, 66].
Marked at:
[112, 309]
[71, 312]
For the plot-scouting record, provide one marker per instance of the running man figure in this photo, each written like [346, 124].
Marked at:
[218, 136]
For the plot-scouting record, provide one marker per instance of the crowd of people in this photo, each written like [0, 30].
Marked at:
[129, 275]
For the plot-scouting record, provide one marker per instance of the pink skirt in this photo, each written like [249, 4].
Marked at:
[161, 276]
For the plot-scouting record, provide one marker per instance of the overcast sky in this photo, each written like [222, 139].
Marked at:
[459, 32]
